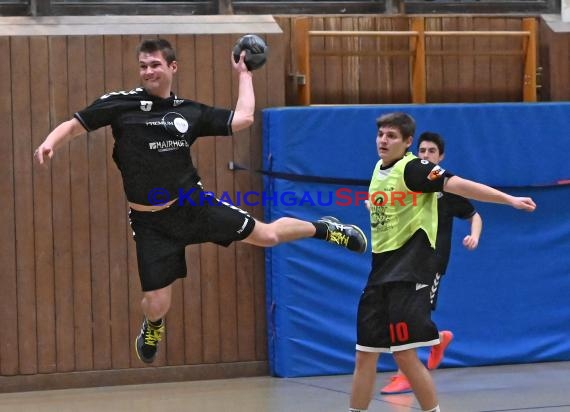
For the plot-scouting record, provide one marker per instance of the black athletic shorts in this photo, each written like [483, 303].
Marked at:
[395, 316]
[161, 237]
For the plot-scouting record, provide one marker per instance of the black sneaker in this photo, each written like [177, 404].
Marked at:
[348, 236]
[146, 344]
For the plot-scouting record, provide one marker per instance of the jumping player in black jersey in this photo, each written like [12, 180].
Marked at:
[153, 131]
[431, 147]
[394, 311]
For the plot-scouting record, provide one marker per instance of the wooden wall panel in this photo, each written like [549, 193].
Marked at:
[23, 204]
[515, 64]
[322, 67]
[544, 48]
[80, 208]
[450, 65]
[286, 43]
[466, 74]
[98, 213]
[119, 232]
[370, 70]
[61, 194]
[331, 86]
[350, 64]
[8, 291]
[435, 70]
[400, 73]
[481, 87]
[43, 223]
[555, 56]
[500, 68]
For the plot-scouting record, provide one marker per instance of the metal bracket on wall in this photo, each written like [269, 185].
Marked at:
[298, 78]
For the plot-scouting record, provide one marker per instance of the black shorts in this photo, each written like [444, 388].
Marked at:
[162, 236]
[395, 316]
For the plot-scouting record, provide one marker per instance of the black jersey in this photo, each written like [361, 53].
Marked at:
[153, 138]
[449, 206]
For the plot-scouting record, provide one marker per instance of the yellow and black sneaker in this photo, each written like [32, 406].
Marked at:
[146, 344]
[348, 236]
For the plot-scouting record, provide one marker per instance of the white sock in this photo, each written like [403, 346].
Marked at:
[436, 409]
[357, 410]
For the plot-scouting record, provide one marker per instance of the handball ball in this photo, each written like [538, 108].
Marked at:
[255, 51]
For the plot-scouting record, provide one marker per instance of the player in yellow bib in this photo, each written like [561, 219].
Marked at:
[394, 312]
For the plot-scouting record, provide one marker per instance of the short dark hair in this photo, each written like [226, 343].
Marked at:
[401, 121]
[434, 138]
[154, 45]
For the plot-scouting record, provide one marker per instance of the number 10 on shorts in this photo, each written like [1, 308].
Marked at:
[399, 332]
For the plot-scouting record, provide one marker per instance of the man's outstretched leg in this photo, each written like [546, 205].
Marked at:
[327, 228]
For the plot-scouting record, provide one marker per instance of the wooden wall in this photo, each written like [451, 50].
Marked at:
[466, 69]
[555, 58]
[70, 291]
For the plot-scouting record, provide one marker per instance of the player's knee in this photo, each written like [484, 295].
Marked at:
[404, 356]
[266, 234]
[365, 360]
[271, 238]
[157, 302]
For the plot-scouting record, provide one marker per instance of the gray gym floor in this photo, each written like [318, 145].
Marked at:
[540, 387]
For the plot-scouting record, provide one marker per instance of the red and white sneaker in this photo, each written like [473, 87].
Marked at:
[437, 351]
[398, 384]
